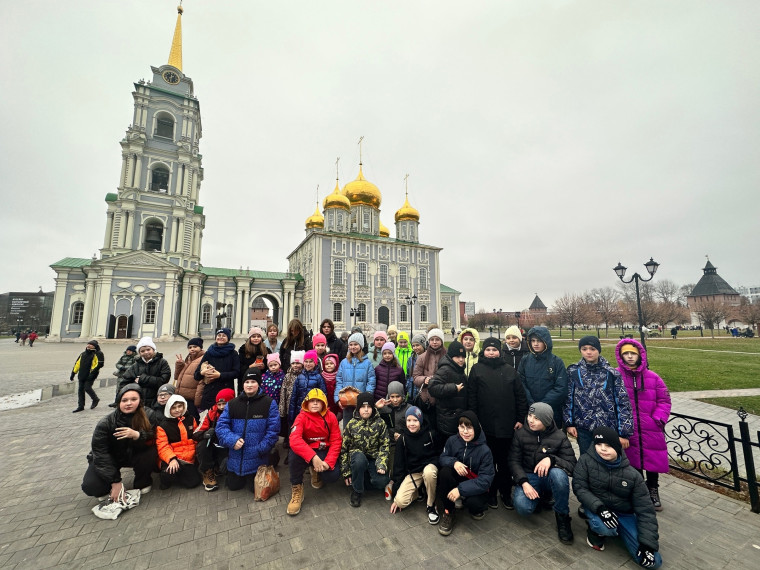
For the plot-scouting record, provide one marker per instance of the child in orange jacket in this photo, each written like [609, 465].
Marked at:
[176, 447]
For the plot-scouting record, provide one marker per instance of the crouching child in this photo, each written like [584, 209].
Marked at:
[176, 448]
[541, 461]
[615, 499]
[212, 456]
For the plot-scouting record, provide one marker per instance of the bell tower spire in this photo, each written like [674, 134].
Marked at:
[175, 54]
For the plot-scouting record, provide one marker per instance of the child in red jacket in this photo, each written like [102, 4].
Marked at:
[212, 456]
[315, 441]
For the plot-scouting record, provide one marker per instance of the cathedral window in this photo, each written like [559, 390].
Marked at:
[297, 312]
[365, 224]
[164, 127]
[362, 279]
[337, 272]
[206, 314]
[423, 279]
[230, 314]
[383, 275]
[402, 313]
[423, 313]
[340, 221]
[154, 235]
[150, 313]
[159, 179]
[403, 280]
[445, 313]
[362, 310]
[337, 315]
[77, 313]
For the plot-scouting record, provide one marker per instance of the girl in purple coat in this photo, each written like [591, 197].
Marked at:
[388, 370]
[650, 406]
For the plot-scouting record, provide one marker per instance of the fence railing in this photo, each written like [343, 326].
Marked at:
[711, 451]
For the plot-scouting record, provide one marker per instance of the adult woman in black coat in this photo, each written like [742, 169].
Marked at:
[219, 368]
[336, 346]
[295, 339]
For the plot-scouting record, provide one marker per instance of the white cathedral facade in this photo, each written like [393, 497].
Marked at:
[149, 279]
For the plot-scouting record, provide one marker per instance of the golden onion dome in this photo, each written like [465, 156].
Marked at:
[336, 199]
[406, 212]
[316, 220]
[362, 191]
[384, 232]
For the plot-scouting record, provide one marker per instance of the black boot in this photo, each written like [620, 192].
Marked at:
[564, 529]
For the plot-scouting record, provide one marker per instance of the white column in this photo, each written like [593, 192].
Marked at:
[109, 231]
[128, 234]
[88, 307]
[123, 178]
[180, 235]
[59, 304]
[193, 306]
[122, 229]
[138, 172]
[170, 295]
[102, 298]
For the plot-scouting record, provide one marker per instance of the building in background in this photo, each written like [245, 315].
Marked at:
[711, 288]
[20, 311]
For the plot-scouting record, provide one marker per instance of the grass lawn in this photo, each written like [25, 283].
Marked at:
[750, 403]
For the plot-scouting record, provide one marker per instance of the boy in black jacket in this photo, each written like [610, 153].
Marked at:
[449, 388]
[541, 460]
[616, 500]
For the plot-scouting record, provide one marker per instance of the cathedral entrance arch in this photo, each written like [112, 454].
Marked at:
[383, 316]
[266, 307]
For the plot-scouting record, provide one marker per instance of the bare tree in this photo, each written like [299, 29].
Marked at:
[666, 291]
[750, 312]
[480, 320]
[711, 313]
[606, 303]
[571, 310]
[670, 312]
[648, 302]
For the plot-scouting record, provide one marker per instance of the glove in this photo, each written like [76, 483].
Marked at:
[609, 518]
[210, 432]
[645, 556]
[71, 378]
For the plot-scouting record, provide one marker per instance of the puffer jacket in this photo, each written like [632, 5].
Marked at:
[619, 488]
[257, 421]
[497, 396]
[425, 367]
[305, 382]
[404, 355]
[226, 361]
[386, 373]
[313, 431]
[369, 437]
[174, 439]
[88, 365]
[352, 372]
[597, 398]
[184, 376]
[529, 447]
[152, 375]
[125, 362]
[272, 384]
[544, 375]
[394, 418]
[650, 408]
[472, 357]
[513, 356]
[414, 451]
[476, 456]
[449, 402]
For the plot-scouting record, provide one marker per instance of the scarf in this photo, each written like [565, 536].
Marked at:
[216, 351]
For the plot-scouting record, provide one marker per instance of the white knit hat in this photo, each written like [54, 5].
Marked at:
[297, 356]
[145, 341]
[435, 333]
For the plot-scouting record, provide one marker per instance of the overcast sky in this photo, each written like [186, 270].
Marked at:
[544, 140]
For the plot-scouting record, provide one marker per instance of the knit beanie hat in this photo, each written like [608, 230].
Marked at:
[225, 331]
[492, 342]
[456, 348]
[252, 374]
[395, 387]
[402, 336]
[144, 341]
[590, 340]
[168, 388]
[297, 356]
[256, 330]
[413, 411]
[311, 355]
[173, 399]
[132, 347]
[274, 356]
[628, 347]
[419, 338]
[197, 341]
[435, 333]
[356, 328]
[319, 338]
[358, 338]
[543, 412]
[389, 346]
[608, 436]
[227, 394]
[380, 334]
[513, 331]
[392, 328]
[365, 398]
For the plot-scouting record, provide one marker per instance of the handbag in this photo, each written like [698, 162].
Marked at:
[266, 483]
[347, 396]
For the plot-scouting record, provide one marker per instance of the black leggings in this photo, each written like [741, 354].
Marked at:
[186, 476]
[143, 462]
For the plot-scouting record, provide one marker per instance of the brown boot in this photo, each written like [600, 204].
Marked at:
[296, 498]
[316, 480]
[209, 480]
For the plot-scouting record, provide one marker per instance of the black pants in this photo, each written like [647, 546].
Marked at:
[448, 479]
[298, 466]
[86, 386]
[143, 463]
[500, 447]
[186, 476]
[237, 482]
[210, 456]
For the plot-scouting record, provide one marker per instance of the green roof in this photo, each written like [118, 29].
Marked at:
[198, 209]
[72, 262]
[447, 289]
[111, 197]
[224, 272]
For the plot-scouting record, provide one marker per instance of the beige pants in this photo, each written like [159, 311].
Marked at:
[407, 491]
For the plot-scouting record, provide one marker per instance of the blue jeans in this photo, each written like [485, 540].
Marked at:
[556, 481]
[585, 438]
[361, 466]
[626, 530]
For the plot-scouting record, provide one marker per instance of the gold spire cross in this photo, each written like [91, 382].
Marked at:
[175, 54]
[360, 150]
[337, 176]
[406, 185]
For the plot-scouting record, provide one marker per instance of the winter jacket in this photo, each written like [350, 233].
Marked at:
[369, 437]
[618, 487]
[271, 384]
[174, 439]
[227, 362]
[513, 356]
[411, 388]
[305, 382]
[246, 361]
[286, 391]
[375, 356]
[184, 376]
[544, 375]
[312, 431]
[478, 458]
[530, 447]
[124, 362]
[395, 419]
[403, 355]
[597, 398]
[414, 451]
[386, 373]
[158, 412]
[449, 402]
[286, 350]
[209, 422]
[88, 365]
[352, 372]
[650, 408]
[336, 346]
[472, 357]
[425, 367]
[497, 396]
[152, 375]
[256, 420]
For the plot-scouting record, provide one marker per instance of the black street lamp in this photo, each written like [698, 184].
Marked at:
[651, 266]
[409, 302]
[518, 314]
[354, 313]
[498, 323]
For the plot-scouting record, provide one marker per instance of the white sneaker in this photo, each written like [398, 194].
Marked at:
[108, 510]
[389, 491]
[146, 490]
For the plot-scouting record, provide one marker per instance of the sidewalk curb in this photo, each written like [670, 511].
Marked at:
[66, 388]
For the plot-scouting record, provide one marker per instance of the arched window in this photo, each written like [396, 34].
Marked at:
[403, 282]
[383, 275]
[150, 313]
[423, 278]
[340, 221]
[365, 222]
[77, 313]
[206, 314]
[154, 235]
[362, 278]
[230, 314]
[362, 312]
[159, 179]
[337, 272]
[164, 126]
[297, 312]
[423, 313]
[445, 313]
[337, 312]
[402, 316]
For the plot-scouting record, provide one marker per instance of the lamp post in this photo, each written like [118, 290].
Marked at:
[518, 314]
[354, 313]
[498, 323]
[651, 266]
[409, 302]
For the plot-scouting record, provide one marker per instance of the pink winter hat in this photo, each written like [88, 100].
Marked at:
[380, 334]
[319, 338]
[311, 355]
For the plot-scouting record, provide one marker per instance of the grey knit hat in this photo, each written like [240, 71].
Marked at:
[543, 412]
[419, 338]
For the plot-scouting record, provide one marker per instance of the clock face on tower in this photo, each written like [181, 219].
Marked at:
[170, 77]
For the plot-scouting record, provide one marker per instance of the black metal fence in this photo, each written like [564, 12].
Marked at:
[710, 450]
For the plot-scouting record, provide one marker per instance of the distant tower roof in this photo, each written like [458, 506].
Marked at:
[175, 54]
[537, 304]
[711, 283]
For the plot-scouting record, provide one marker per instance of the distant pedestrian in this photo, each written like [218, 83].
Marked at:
[32, 337]
[86, 368]
[24, 336]
[674, 332]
